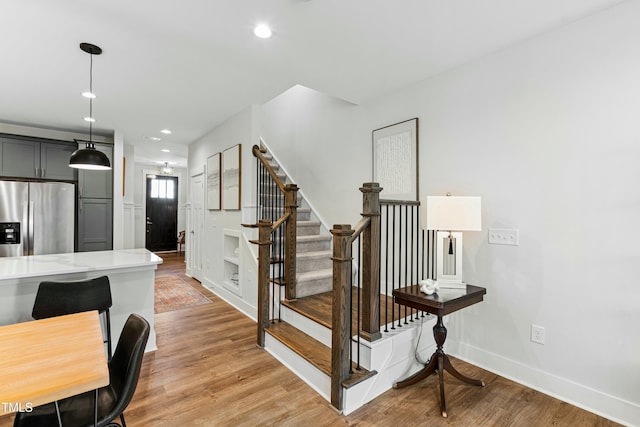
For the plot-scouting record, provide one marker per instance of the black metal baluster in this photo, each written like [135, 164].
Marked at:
[393, 268]
[411, 282]
[386, 273]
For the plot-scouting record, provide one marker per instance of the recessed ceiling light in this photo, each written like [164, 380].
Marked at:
[166, 131]
[164, 150]
[88, 95]
[262, 31]
[89, 119]
[152, 138]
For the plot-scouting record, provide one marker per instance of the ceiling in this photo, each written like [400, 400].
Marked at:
[188, 65]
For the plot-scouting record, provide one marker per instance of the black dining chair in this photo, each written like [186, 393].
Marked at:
[60, 298]
[124, 371]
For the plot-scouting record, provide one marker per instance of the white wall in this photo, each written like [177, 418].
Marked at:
[312, 135]
[239, 129]
[546, 132]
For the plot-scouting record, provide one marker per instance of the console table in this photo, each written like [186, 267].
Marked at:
[444, 302]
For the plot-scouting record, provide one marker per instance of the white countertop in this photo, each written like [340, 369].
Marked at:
[46, 265]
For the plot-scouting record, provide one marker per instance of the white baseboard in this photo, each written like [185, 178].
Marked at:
[232, 299]
[597, 402]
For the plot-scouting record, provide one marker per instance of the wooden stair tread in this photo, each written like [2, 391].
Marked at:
[313, 351]
[318, 308]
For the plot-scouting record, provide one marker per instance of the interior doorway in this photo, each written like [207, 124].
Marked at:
[162, 213]
[194, 238]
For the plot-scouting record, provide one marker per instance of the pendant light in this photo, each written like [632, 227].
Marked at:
[89, 157]
[166, 169]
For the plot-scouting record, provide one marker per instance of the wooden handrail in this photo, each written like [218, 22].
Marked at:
[258, 153]
[399, 202]
[360, 227]
[279, 222]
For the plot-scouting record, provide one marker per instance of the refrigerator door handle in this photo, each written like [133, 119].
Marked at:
[31, 231]
[25, 230]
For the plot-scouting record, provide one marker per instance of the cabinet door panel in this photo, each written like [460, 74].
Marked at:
[55, 161]
[19, 158]
[95, 225]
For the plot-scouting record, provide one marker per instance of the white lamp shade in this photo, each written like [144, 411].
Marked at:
[451, 213]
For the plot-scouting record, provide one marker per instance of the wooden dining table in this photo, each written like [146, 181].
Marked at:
[47, 360]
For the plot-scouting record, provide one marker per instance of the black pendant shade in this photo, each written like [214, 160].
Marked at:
[89, 157]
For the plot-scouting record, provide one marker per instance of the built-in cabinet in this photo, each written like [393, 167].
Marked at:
[95, 207]
[31, 158]
[231, 260]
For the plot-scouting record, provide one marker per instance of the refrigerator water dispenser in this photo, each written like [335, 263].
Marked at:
[9, 233]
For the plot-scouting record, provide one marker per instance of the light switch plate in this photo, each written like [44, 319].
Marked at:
[504, 236]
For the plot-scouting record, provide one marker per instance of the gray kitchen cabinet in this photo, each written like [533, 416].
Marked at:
[19, 158]
[31, 158]
[95, 225]
[54, 161]
[95, 206]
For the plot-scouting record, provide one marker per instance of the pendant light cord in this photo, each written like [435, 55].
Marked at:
[91, 102]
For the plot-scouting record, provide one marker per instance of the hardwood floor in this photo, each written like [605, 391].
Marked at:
[208, 371]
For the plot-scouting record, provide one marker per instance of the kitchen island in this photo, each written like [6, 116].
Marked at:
[131, 274]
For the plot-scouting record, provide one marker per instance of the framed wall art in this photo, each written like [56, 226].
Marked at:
[231, 177]
[395, 160]
[213, 181]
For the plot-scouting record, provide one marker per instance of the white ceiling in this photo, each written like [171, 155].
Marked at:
[188, 65]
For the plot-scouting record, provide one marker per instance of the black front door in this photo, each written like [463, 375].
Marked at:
[162, 213]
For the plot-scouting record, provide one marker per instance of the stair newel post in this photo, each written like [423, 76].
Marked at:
[371, 262]
[340, 324]
[291, 231]
[264, 254]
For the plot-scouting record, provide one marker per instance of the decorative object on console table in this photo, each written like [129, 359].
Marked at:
[449, 215]
[231, 177]
[213, 182]
[395, 160]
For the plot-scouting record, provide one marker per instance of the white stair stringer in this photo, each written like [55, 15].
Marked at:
[392, 357]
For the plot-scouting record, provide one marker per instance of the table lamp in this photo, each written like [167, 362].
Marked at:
[448, 216]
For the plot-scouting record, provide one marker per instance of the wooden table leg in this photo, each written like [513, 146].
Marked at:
[439, 362]
[428, 369]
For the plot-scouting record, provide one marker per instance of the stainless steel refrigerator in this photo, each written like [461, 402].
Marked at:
[36, 218]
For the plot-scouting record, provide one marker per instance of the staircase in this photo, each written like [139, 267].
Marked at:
[300, 336]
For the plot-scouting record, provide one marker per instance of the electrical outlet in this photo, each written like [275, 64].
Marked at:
[537, 334]
[504, 236]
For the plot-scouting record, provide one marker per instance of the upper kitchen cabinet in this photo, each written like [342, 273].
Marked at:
[97, 184]
[31, 158]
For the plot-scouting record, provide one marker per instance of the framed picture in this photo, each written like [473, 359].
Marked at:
[395, 160]
[231, 175]
[213, 182]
